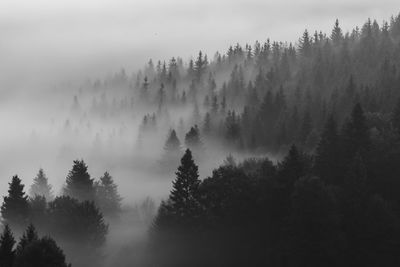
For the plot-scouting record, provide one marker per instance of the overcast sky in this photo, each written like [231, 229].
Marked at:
[47, 39]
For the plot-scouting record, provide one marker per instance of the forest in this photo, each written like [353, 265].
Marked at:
[268, 154]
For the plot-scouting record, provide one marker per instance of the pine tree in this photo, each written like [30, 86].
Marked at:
[107, 197]
[327, 153]
[306, 128]
[41, 186]
[337, 34]
[7, 242]
[396, 118]
[79, 185]
[172, 143]
[207, 124]
[293, 166]
[28, 237]
[355, 135]
[183, 196]
[15, 208]
[192, 139]
[172, 151]
[43, 252]
[305, 44]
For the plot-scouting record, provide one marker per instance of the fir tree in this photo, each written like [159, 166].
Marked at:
[327, 153]
[337, 35]
[78, 182]
[43, 252]
[41, 186]
[107, 196]
[192, 139]
[15, 208]
[184, 189]
[28, 237]
[7, 243]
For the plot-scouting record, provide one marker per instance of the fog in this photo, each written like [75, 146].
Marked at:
[68, 72]
[46, 40]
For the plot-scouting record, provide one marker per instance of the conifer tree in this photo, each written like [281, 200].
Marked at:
[396, 117]
[172, 151]
[43, 252]
[28, 237]
[41, 186]
[305, 44]
[337, 34]
[79, 185]
[293, 166]
[107, 196]
[184, 192]
[327, 152]
[15, 207]
[355, 135]
[207, 124]
[192, 138]
[7, 242]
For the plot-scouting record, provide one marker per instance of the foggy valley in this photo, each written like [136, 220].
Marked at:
[199, 134]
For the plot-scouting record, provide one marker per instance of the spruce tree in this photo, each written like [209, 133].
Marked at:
[183, 197]
[107, 197]
[15, 207]
[327, 153]
[192, 138]
[172, 151]
[337, 34]
[28, 237]
[7, 243]
[79, 185]
[396, 118]
[41, 186]
[43, 252]
[355, 135]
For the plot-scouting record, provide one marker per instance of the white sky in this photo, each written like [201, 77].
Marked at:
[59, 39]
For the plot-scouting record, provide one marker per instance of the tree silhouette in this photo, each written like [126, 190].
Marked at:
[7, 243]
[42, 252]
[30, 235]
[79, 185]
[15, 207]
[184, 188]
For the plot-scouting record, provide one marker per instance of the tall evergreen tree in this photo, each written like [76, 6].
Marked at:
[183, 197]
[78, 182]
[15, 207]
[396, 117]
[192, 139]
[172, 151]
[327, 153]
[7, 243]
[41, 186]
[43, 252]
[355, 135]
[28, 237]
[337, 34]
[107, 197]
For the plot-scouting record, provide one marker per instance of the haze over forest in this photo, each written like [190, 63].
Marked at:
[188, 133]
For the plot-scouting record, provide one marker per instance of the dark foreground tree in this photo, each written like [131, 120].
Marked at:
[78, 222]
[7, 243]
[15, 208]
[42, 252]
